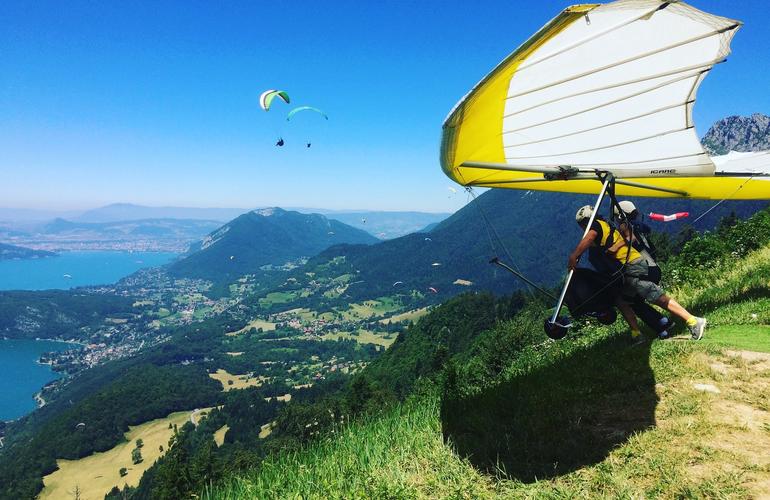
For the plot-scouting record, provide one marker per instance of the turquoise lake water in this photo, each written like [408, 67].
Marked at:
[71, 269]
[21, 376]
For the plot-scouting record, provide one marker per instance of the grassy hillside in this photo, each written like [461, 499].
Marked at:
[589, 416]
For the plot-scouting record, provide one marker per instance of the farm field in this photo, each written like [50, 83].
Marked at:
[412, 315]
[256, 323]
[230, 382]
[219, 435]
[364, 337]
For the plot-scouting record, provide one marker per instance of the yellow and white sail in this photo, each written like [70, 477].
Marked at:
[602, 87]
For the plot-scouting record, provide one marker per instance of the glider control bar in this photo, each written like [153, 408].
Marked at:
[607, 179]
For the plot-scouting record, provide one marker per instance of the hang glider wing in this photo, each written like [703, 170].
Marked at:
[602, 88]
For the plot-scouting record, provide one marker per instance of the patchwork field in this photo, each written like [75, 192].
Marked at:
[219, 435]
[256, 323]
[95, 475]
[364, 337]
[412, 315]
[230, 381]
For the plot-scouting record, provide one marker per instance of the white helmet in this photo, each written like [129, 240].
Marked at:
[628, 208]
[584, 213]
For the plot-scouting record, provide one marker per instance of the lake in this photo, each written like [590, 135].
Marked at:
[71, 269]
[21, 376]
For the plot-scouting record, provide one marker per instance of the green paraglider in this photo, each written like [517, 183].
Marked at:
[267, 97]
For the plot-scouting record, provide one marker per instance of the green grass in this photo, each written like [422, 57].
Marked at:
[746, 337]
[277, 298]
[396, 455]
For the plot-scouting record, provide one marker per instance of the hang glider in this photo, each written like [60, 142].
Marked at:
[602, 89]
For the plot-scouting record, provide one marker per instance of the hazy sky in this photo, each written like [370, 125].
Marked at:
[156, 102]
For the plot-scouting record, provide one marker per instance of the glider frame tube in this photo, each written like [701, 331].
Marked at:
[607, 179]
[508, 268]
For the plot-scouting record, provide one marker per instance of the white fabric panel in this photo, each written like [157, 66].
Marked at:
[615, 91]
[662, 146]
[735, 162]
[600, 120]
[561, 102]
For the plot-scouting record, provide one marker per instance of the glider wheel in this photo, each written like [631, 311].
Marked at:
[557, 330]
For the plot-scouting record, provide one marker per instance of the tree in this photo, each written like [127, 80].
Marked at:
[139, 443]
[136, 456]
[76, 493]
[123, 471]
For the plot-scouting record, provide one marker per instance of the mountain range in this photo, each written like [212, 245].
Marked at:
[738, 133]
[265, 237]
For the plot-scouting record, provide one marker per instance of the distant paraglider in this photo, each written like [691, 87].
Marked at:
[431, 289]
[301, 109]
[436, 264]
[266, 101]
[67, 276]
[267, 97]
[398, 283]
[305, 108]
[428, 239]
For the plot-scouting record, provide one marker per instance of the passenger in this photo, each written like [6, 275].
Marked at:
[635, 272]
[648, 314]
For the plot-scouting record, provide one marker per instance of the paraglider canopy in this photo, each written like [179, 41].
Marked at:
[305, 108]
[267, 97]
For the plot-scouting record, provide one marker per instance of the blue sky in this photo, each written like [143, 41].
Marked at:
[156, 102]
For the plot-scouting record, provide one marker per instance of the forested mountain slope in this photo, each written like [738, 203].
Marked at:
[266, 237]
[532, 230]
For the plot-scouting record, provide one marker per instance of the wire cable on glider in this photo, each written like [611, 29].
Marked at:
[721, 201]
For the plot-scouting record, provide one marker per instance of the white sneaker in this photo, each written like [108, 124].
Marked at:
[696, 330]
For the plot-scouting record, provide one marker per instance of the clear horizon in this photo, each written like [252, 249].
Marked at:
[156, 105]
[87, 208]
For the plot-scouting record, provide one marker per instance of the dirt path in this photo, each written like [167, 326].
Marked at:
[739, 415]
